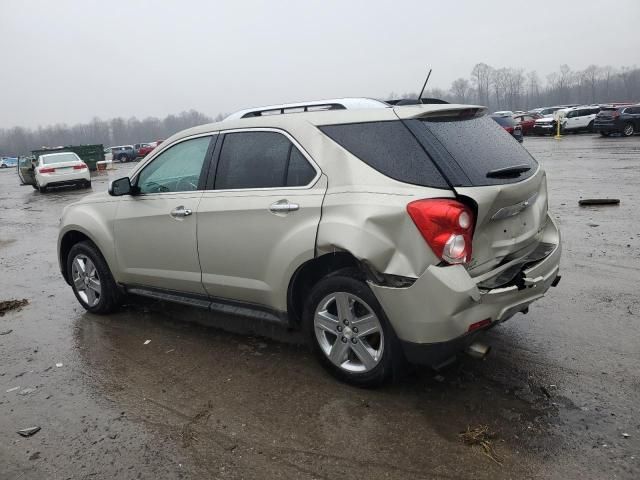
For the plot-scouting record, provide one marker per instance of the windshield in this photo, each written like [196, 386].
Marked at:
[59, 158]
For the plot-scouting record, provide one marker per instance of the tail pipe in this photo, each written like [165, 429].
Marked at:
[478, 350]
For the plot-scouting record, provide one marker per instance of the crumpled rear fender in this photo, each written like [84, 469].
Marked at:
[375, 228]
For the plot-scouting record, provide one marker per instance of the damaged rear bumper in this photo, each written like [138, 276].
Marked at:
[432, 317]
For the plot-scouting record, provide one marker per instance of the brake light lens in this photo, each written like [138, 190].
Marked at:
[46, 170]
[447, 227]
[80, 167]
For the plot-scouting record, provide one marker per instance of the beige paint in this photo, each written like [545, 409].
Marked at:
[234, 247]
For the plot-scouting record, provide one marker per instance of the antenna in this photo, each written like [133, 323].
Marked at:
[424, 86]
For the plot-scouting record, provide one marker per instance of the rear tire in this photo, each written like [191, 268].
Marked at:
[123, 159]
[91, 279]
[356, 344]
[42, 189]
[628, 130]
[87, 184]
[590, 127]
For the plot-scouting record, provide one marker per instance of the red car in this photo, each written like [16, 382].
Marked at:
[143, 149]
[526, 121]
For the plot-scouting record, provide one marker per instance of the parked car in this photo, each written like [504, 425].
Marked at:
[618, 119]
[124, 153]
[547, 124]
[503, 113]
[579, 119]
[352, 225]
[8, 162]
[143, 149]
[510, 125]
[61, 169]
[526, 121]
[550, 111]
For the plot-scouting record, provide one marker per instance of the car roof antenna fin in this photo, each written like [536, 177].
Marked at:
[424, 86]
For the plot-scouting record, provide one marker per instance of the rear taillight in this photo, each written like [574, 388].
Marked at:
[80, 167]
[446, 225]
[509, 129]
[46, 170]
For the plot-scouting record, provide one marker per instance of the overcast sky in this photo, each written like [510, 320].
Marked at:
[68, 61]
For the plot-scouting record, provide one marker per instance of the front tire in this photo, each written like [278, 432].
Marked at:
[628, 130]
[349, 331]
[91, 279]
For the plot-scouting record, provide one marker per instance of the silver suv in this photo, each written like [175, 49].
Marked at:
[385, 233]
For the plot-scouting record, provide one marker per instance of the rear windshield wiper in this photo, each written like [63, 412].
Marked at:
[513, 171]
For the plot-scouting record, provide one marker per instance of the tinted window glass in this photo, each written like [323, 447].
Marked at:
[477, 145]
[252, 160]
[390, 148]
[176, 169]
[300, 171]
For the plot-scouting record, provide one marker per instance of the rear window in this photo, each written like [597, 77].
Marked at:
[504, 121]
[59, 158]
[390, 148]
[467, 149]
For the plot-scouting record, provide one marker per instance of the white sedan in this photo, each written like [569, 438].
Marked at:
[61, 169]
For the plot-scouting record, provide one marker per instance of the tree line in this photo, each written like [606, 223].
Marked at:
[507, 88]
[117, 131]
[503, 88]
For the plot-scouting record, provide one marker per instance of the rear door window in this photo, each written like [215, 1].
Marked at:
[260, 159]
[466, 149]
[390, 148]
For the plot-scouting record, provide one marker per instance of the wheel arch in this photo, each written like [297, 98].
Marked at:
[73, 234]
[309, 273]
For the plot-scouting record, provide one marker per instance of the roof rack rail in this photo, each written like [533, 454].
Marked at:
[318, 105]
[303, 108]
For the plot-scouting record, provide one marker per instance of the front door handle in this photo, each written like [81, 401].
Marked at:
[284, 206]
[180, 212]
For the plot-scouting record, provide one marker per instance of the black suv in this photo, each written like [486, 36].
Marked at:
[618, 119]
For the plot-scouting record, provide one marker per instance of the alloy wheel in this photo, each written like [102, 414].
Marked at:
[86, 280]
[349, 332]
[628, 130]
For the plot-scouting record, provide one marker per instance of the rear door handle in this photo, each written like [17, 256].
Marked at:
[284, 206]
[180, 212]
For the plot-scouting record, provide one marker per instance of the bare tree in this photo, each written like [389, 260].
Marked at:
[460, 89]
[481, 79]
[592, 75]
[533, 89]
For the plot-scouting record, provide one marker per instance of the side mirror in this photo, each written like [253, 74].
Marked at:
[121, 186]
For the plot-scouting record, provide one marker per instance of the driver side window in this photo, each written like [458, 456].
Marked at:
[176, 169]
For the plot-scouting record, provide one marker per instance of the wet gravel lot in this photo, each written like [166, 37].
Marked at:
[213, 397]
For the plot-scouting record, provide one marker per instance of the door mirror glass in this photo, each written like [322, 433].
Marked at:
[121, 186]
